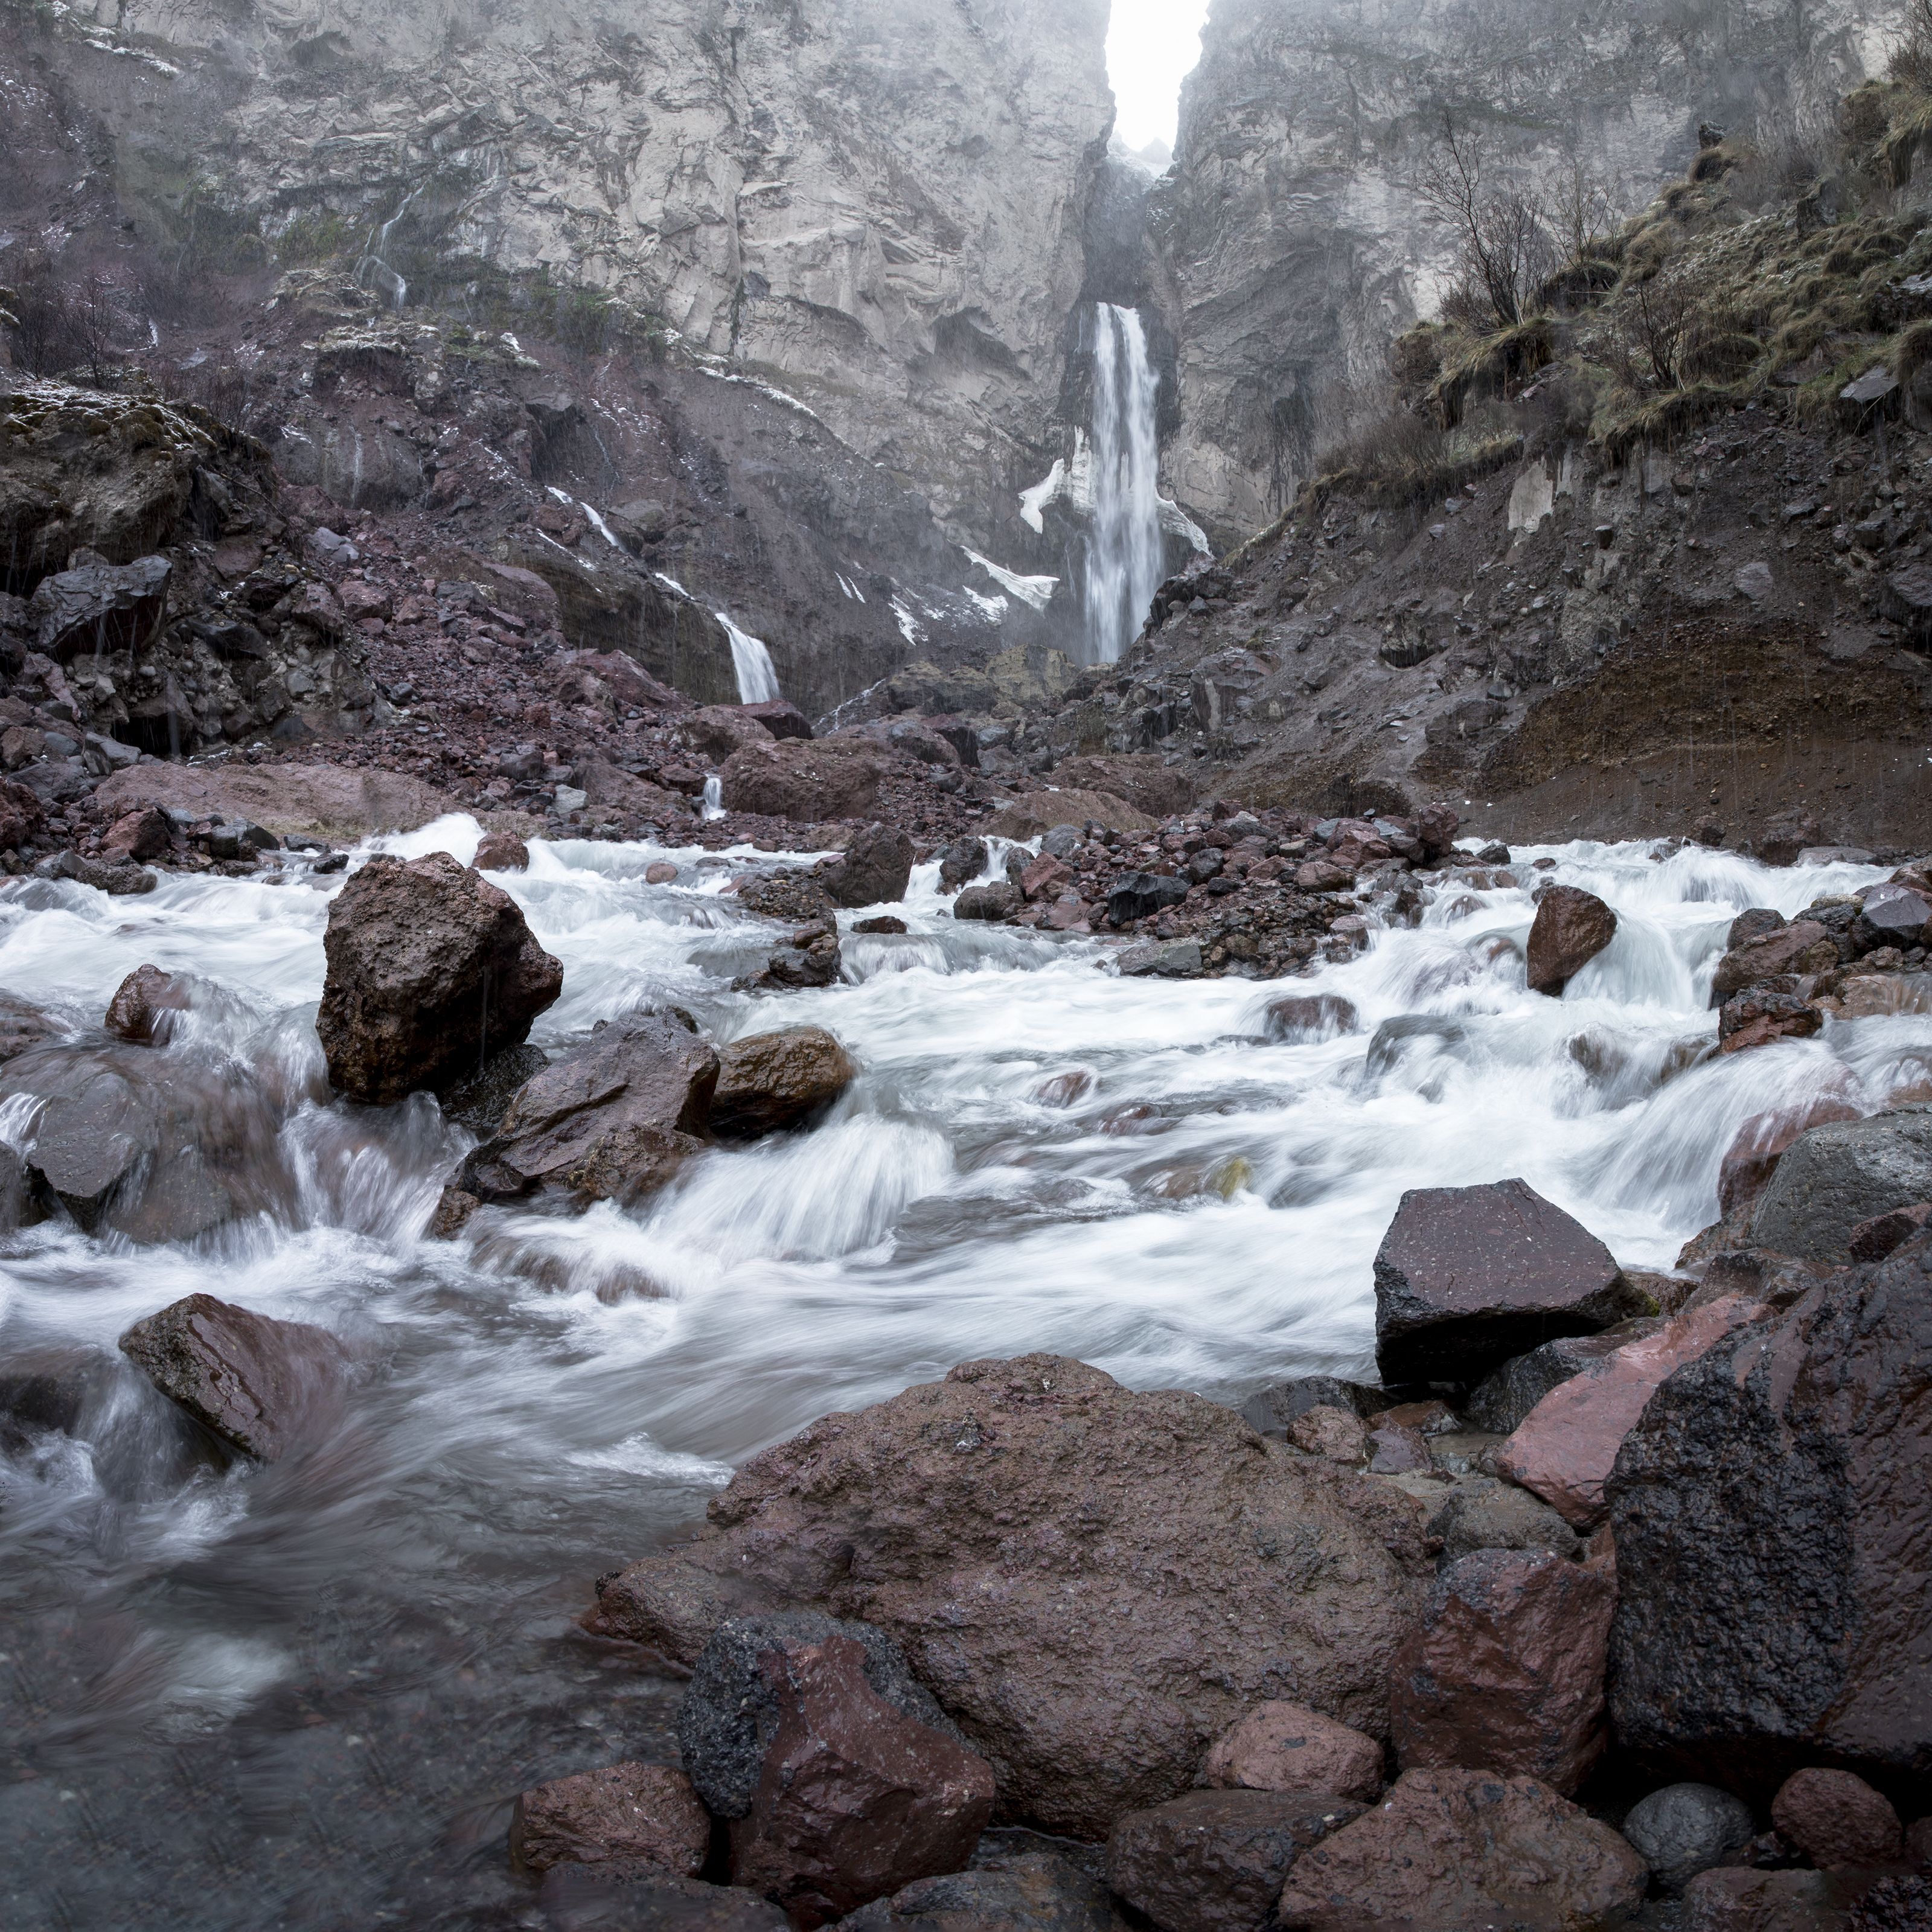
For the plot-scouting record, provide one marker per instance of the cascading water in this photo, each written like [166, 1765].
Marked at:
[1124, 543]
[758, 681]
[302, 1695]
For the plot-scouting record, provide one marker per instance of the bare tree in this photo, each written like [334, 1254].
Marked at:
[1501, 234]
[1649, 340]
[1581, 208]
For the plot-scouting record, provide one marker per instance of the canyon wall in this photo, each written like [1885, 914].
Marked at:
[1291, 244]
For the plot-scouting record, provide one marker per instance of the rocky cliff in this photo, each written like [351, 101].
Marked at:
[1292, 245]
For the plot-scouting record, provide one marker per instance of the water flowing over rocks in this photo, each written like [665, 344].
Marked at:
[431, 970]
[940, 1517]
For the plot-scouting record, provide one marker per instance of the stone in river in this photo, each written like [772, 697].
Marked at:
[1834, 1177]
[773, 1081]
[874, 869]
[631, 1811]
[1683, 1829]
[1571, 928]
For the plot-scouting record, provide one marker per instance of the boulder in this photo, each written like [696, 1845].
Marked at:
[1338, 1434]
[22, 818]
[1761, 1142]
[613, 1121]
[1016, 1528]
[1283, 1747]
[1271, 1410]
[1890, 915]
[1805, 946]
[812, 959]
[1832, 1177]
[1046, 878]
[431, 970]
[1394, 1450]
[1034, 1891]
[327, 802]
[1310, 1016]
[1468, 1277]
[1565, 1448]
[1482, 1513]
[1754, 923]
[962, 861]
[647, 1812]
[142, 1009]
[502, 852]
[100, 608]
[841, 1779]
[1215, 1861]
[1900, 1903]
[1035, 812]
[1463, 1849]
[1571, 928]
[809, 780]
[1141, 895]
[480, 1102]
[717, 731]
[262, 1385]
[991, 902]
[1767, 1509]
[20, 1207]
[145, 834]
[1684, 1829]
[773, 1081]
[778, 717]
[1836, 1819]
[795, 897]
[1160, 958]
[1504, 1399]
[1506, 1670]
[1872, 1241]
[875, 867]
[1764, 1014]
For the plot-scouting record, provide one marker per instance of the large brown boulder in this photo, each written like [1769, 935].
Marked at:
[808, 779]
[1571, 928]
[1467, 1277]
[646, 1812]
[261, 1385]
[1770, 1510]
[22, 817]
[613, 1121]
[1454, 1850]
[1093, 1582]
[874, 869]
[1506, 1671]
[1836, 1819]
[431, 970]
[773, 1081]
[1804, 947]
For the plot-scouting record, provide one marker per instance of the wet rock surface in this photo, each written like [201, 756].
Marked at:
[431, 970]
[1683, 1829]
[774, 1081]
[1834, 1177]
[1571, 928]
[1283, 1747]
[646, 1813]
[874, 868]
[1034, 1890]
[1836, 1819]
[141, 1009]
[1081, 1718]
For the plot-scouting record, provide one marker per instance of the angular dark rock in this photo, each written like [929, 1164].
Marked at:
[100, 608]
[431, 970]
[988, 902]
[1215, 1861]
[1482, 1513]
[141, 1008]
[1571, 928]
[1872, 1241]
[1834, 1177]
[1270, 1410]
[874, 869]
[1805, 946]
[961, 862]
[1311, 1016]
[1684, 1829]
[1768, 1508]
[793, 896]
[773, 1081]
[613, 1121]
[1468, 1277]
[480, 1102]
[780, 718]
[260, 1384]
[1891, 915]
[1732, 1899]
[808, 780]
[1759, 1145]
[1032, 1891]
[1762, 1014]
[1141, 895]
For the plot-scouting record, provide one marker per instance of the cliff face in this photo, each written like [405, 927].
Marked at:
[1292, 245]
[874, 204]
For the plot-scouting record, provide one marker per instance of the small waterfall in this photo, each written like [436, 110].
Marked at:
[1124, 561]
[714, 795]
[758, 682]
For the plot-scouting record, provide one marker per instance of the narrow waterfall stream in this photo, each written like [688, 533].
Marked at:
[1124, 563]
[304, 1695]
[750, 664]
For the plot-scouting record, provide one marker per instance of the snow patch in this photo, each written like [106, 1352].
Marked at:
[1036, 591]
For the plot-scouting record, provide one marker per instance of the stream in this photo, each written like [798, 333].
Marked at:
[306, 1695]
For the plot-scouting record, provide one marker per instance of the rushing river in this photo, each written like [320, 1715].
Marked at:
[304, 1696]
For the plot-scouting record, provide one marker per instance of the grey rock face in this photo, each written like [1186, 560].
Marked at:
[1832, 1178]
[1687, 1829]
[1291, 242]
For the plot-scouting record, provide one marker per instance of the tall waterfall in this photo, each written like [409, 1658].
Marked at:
[1123, 548]
[758, 681]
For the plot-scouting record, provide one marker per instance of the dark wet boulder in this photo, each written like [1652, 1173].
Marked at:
[47, 1392]
[1141, 895]
[1770, 1508]
[613, 1121]
[645, 1812]
[1773, 1010]
[780, 718]
[874, 869]
[1890, 915]
[122, 880]
[1481, 1514]
[144, 1004]
[502, 852]
[19, 1206]
[1804, 947]
[262, 1386]
[1299, 1018]
[990, 902]
[774, 1081]
[480, 1102]
[100, 608]
[1684, 1829]
[431, 970]
[148, 833]
[1759, 1145]
[1571, 928]
[961, 862]
[1031, 1891]
[1272, 1409]
[1215, 1861]
[794, 896]
[813, 958]
[1468, 1277]
[22, 1026]
[1833, 1177]
[842, 1779]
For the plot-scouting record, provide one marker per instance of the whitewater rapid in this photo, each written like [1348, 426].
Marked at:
[1038, 1154]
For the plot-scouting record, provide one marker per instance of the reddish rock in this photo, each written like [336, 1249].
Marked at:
[1281, 1747]
[809, 780]
[359, 600]
[1311, 1016]
[1506, 1671]
[1396, 1451]
[1771, 1510]
[647, 1812]
[502, 852]
[660, 872]
[1046, 878]
[142, 1002]
[719, 730]
[1571, 928]
[1066, 913]
[1322, 875]
[1835, 1818]
[1731, 1899]
[260, 1384]
[431, 970]
[1215, 1861]
[1762, 1015]
[1872, 1241]
[1335, 1433]
[450, 1215]
[1016, 1528]
[22, 819]
[853, 1799]
[1891, 915]
[774, 1081]
[1468, 1277]
[1757, 1145]
[1804, 947]
[1456, 1849]
[146, 834]
[1566, 1447]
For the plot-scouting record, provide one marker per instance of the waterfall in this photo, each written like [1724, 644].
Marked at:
[758, 682]
[713, 806]
[1124, 566]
